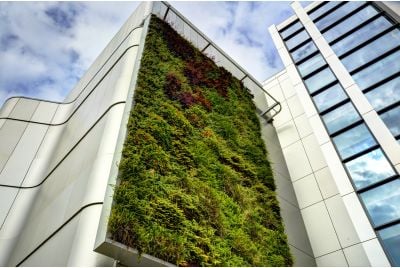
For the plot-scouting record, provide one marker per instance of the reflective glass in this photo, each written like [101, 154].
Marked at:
[392, 120]
[385, 94]
[354, 141]
[340, 118]
[372, 50]
[369, 168]
[319, 11]
[288, 31]
[311, 65]
[337, 14]
[391, 241]
[378, 71]
[303, 51]
[383, 202]
[297, 39]
[319, 80]
[361, 35]
[329, 97]
[350, 23]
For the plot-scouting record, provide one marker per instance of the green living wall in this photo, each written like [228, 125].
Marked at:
[195, 188]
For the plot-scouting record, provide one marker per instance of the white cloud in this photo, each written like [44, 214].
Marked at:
[43, 55]
[241, 30]
[45, 47]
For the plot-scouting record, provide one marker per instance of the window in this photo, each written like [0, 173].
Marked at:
[391, 241]
[384, 95]
[291, 29]
[392, 120]
[369, 168]
[311, 65]
[354, 141]
[329, 97]
[361, 35]
[303, 51]
[318, 11]
[337, 14]
[378, 71]
[350, 23]
[341, 117]
[297, 39]
[319, 80]
[372, 50]
[383, 202]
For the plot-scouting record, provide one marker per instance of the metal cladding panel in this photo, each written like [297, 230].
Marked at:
[10, 134]
[7, 107]
[61, 159]
[24, 109]
[18, 164]
[68, 154]
[135, 20]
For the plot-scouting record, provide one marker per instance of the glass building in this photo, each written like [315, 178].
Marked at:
[343, 61]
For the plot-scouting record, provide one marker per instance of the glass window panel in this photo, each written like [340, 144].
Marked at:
[297, 39]
[329, 97]
[361, 35]
[354, 141]
[319, 80]
[378, 71]
[369, 168]
[350, 23]
[391, 241]
[384, 95]
[340, 118]
[288, 31]
[338, 14]
[319, 11]
[372, 50]
[392, 120]
[311, 65]
[383, 202]
[303, 51]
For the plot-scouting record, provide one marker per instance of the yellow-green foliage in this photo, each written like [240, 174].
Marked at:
[195, 184]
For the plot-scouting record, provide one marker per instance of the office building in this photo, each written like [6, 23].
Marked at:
[328, 122]
[60, 199]
[339, 127]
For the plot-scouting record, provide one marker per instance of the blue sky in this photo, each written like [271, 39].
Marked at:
[45, 47]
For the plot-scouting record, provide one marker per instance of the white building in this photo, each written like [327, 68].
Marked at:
[55, 215]
[58, 161]
[339, 127]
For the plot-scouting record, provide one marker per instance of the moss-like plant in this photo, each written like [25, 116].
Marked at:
[195, 187]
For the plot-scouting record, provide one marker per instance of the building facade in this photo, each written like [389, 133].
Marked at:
[339, 127]
[333, 142]
[59, 161]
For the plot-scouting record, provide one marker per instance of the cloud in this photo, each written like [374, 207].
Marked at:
[45, 47]
[241, 30]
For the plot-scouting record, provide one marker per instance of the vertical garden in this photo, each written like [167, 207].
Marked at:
[195, 187]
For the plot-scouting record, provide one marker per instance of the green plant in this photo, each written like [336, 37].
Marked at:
[195, 184]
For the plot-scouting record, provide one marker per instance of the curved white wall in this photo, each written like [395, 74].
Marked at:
[55, 160]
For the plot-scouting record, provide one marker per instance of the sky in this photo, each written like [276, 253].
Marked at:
[45, 47]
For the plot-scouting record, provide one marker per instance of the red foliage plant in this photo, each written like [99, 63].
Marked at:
[177, 45]
[173, 89]
[172, 86]
[204, 73]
